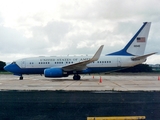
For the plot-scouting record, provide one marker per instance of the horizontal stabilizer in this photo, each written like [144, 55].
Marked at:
[142, 57]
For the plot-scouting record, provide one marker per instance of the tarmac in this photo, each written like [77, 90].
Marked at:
[109, 82]
[39, 98]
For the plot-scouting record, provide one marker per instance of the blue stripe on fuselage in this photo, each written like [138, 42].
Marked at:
[87, 71]
[32, 70]
[16, 70]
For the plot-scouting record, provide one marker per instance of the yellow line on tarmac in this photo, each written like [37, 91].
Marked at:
[118, 118]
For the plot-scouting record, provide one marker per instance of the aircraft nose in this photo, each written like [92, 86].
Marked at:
[14, 68]
[7, 68]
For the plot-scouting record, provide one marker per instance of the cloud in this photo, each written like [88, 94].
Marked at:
[10, 39]
[74, 27]
[54, 32]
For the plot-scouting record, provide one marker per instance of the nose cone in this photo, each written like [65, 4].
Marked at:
[14, 68]
[6, 68]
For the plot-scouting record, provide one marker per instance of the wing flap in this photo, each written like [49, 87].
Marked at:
[82, 65]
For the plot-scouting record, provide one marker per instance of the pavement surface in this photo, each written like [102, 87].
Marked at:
[116, 82]
[78, 105]
[39, 98]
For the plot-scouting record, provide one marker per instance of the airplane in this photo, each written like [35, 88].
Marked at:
[55, 66]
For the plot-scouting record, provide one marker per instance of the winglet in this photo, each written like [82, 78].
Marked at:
[97, 54]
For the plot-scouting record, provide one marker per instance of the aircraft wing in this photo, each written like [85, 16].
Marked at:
[82, 65]
[142, 57]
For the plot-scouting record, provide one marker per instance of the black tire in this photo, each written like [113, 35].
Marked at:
[21, 78]
[76, 77]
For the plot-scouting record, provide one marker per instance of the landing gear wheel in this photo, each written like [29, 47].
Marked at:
[76, 77]
[21, 78]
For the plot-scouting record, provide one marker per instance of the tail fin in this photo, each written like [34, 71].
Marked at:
[136, 46]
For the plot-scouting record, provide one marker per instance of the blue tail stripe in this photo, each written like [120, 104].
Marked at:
[124, 50]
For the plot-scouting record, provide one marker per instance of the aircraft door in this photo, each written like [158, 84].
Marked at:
[118, 62]
[23, 64]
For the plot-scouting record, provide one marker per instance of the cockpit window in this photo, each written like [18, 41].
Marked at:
[13, 62]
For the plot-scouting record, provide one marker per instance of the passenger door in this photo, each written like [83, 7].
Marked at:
[118, 62]
[23, 64]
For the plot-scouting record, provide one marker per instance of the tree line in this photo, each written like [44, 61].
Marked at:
[138, 68]
[2, 64]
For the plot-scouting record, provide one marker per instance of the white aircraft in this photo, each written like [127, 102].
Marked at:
[132, 54]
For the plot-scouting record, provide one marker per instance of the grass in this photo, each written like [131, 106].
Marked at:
[4, 72]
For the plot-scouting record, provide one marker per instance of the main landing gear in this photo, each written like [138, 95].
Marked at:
[76, 77]
[21, 78]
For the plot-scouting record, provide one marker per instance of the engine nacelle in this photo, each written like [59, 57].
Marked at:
[53, 72]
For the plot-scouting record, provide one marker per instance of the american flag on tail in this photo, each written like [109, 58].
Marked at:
[141, 39]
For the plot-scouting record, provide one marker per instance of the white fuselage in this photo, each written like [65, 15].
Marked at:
[58, 62]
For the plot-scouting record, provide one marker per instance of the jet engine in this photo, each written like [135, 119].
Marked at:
[54, 72]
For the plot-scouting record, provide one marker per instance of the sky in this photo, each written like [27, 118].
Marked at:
[30, 28]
